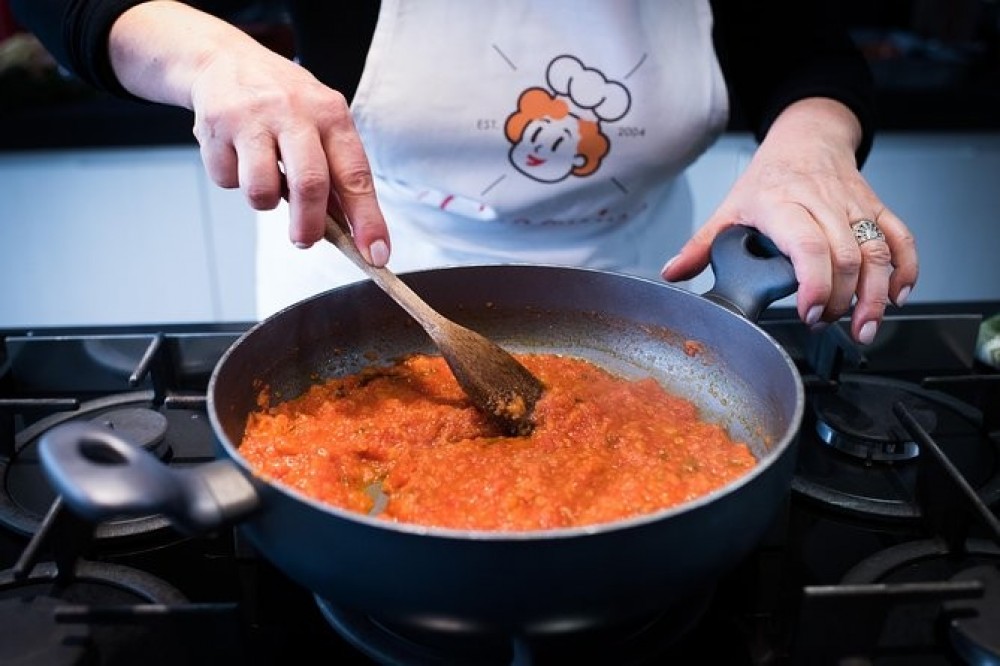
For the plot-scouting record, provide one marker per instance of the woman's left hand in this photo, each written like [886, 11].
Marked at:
[803, 190]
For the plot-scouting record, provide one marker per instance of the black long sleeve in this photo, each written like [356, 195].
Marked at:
[775, 52]
[772, 52]
[332, 38]
[76, 32]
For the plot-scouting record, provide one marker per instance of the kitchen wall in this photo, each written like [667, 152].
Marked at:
[140, 235]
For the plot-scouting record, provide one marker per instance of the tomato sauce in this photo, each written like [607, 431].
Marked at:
[603, 448]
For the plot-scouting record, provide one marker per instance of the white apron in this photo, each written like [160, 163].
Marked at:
[521, 131]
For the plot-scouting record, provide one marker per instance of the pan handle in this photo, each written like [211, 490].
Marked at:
[101, 476]
[750, 272]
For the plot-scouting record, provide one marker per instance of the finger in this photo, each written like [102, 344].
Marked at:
[354, 191]
[694, 256]
[872, 290]
[800, 237]
[903, 248]
[220, 161]
[259, 174]
[308, 185]
[846, 262]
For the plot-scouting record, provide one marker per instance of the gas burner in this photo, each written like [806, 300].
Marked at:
[973, 631]
[971, 618]
[143, 426]
[111, 615]
[901, 601]
[178, 436]
[36, 612]
[857, 418]
[925, 560]
[670, 636]
[868, 482]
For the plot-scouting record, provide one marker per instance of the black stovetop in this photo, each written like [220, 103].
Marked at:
[885, 560]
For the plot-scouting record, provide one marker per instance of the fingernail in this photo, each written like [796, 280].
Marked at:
[301, 245]
[904, 293]
[867, 332]
[813, 315]
[819, 327]
[670, 262]
[379, 252]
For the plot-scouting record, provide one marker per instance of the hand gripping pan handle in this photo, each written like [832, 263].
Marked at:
[750, 272]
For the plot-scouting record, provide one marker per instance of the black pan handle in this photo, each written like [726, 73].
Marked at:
[101, 476]
[750, 272]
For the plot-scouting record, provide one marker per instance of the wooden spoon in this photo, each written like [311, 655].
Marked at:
[496, 383]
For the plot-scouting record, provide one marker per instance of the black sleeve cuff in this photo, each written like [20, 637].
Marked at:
[76, 33]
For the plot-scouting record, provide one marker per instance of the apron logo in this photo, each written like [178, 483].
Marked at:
[556, 132]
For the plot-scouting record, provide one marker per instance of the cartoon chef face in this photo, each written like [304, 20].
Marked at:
[557, 134]
[547, 141]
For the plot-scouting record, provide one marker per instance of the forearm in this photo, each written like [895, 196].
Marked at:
[157, 49]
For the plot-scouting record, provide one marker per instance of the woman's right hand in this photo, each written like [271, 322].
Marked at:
[260, 119]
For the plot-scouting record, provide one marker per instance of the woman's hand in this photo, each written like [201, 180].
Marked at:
[803, 190]
[261, 120]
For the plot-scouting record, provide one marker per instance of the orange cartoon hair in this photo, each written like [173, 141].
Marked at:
[538, 103]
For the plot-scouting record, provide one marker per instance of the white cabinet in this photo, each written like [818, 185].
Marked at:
[120, 236]
[947, 190]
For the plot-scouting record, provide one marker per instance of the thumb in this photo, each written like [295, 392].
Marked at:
[693, 257]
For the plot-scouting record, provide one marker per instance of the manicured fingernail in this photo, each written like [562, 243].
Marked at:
[380, 253]
[301, 245]
[867, 332]
[813, 315]
[670, 262]
[904, 293]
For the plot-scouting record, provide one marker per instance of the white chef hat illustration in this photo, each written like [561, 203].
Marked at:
[589, 94]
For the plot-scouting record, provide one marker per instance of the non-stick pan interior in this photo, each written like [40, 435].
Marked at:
[634, 327]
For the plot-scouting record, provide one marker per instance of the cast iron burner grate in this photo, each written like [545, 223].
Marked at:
[179, 432]
[872, 467]
[106, 614]
[857, 418]
[934, 603]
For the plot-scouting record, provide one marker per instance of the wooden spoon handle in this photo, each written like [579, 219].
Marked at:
[389, 282]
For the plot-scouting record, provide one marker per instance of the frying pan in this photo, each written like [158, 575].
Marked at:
[536, 582]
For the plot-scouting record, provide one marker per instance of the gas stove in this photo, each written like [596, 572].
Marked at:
[887, 550]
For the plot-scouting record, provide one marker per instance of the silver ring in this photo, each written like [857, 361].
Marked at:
[866, 230]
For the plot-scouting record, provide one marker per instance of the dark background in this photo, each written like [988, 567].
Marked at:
[936, 62]
[936, 65]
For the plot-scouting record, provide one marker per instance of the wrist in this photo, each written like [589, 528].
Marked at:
[158, 48]
[821, 118]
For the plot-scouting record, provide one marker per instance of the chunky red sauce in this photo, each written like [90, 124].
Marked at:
[603, 448]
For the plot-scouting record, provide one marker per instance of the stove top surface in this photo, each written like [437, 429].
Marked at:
[880, 545]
